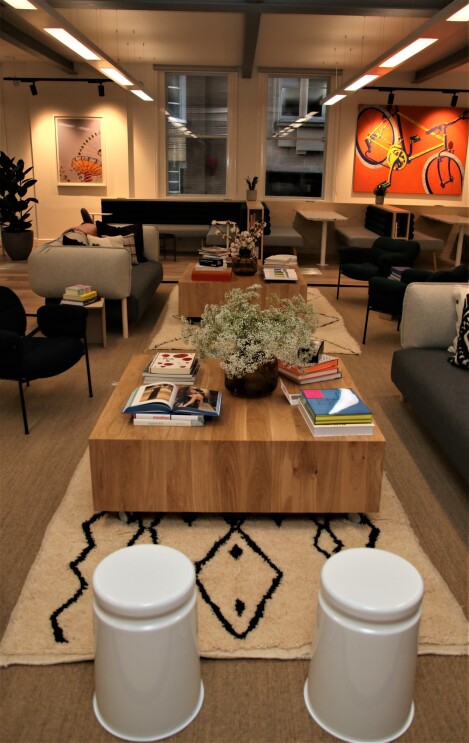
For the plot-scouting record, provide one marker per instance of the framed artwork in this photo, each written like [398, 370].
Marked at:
[411, 149]
[80, 151]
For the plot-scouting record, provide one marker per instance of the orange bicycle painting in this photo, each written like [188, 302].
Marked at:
[411, 149]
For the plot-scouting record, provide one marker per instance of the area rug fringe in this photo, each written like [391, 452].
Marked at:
[257, 592]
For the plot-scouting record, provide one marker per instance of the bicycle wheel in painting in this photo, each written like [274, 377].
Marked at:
[443, 174]
[377, 132]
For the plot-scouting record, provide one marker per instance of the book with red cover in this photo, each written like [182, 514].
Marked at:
[214, 275]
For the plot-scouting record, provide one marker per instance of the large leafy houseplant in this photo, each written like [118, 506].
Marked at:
[15, 206]
[244, 336]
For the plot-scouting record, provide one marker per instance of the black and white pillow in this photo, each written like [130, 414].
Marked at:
[461, 355]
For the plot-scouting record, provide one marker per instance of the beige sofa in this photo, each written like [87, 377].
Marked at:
[53, 266]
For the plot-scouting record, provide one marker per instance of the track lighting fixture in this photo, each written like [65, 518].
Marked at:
[454, 100]
[33, 88]
[391, 98]
[101, 90]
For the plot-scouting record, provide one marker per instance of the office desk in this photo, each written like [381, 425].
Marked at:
[324, 217]
[452, 219]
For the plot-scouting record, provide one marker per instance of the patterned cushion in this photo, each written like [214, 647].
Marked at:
[461, 356]
[116, 241]
[130, 229]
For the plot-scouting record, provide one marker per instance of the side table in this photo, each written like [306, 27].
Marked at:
[96, 322]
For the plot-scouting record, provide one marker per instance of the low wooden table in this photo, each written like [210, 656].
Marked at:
[258, 457]
[194, 295]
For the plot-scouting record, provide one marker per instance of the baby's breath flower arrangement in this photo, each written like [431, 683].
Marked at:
[243, 336]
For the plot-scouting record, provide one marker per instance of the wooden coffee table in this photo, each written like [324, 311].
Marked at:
[194, 295]
[258, 457]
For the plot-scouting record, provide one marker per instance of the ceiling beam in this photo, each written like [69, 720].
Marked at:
[27, 43]
[443, 65]
[400, 8]
[251, 33]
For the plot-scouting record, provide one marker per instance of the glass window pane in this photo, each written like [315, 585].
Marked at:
[197, 131]
[295, 137]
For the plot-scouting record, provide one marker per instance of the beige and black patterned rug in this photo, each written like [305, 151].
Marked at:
[257, 578]
[330, 327]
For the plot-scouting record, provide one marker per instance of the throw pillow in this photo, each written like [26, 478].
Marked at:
[459, 296]
[74, 237]
[461, 356]
[106, 242]
[129, 229]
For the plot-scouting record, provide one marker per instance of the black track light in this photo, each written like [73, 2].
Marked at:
[454, 100]
[101, 90]
[33, 88]
[391, 98]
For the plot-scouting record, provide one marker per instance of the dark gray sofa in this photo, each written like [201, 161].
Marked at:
[437, 391]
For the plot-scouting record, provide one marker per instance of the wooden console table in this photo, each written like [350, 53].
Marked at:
[258, 457]
[194, 295]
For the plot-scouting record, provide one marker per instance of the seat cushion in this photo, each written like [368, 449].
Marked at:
[360, 271]
[43, 357]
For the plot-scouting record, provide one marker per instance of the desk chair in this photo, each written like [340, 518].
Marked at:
[27, 357]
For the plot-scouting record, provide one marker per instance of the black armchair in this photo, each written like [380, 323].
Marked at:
[27, 357]
[365, 263]
[387, 295]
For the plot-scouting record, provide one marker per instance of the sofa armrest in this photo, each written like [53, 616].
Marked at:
[151, 242]
[52, 268]
[429, 315]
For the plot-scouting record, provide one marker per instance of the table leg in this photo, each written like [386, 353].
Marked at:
[457, 258]
[322, 259]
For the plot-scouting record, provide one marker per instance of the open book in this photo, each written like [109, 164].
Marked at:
[167, 397]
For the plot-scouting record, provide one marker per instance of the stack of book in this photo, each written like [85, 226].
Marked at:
[215, 252]
[80, 294]
[282, 260]
[167, 404]
[335, 412]
[326, 367]
[202, 271]
[172, 366]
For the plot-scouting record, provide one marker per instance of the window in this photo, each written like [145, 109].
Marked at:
[196, 133]
[295, 137]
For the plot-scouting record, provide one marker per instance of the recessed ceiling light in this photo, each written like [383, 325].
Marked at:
[21, 4]
[115, 75]
[141, 94]
[417, 46]
[461, 15]
[364, 80]
[72, 43]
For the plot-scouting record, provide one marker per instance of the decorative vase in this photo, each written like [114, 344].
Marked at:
[251, 195]
[18, 245]
[259, 383]
[244, 264]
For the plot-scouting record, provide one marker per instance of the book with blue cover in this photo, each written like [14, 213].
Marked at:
[336, 405]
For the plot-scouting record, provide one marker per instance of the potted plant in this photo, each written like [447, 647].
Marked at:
[251, 193]
[380, 192]
[15, 207]
[249, 340]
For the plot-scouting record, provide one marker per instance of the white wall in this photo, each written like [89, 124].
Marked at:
[134, 132]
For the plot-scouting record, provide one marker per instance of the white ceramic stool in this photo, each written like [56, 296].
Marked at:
[361, 674]
[147, 665]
